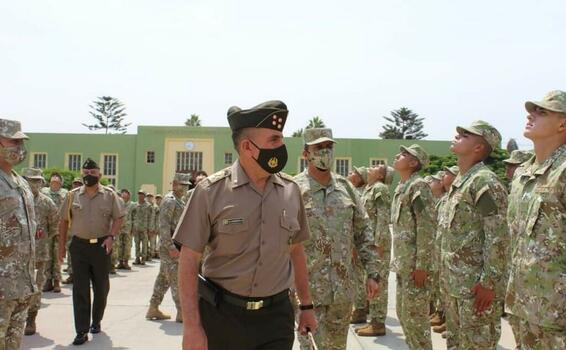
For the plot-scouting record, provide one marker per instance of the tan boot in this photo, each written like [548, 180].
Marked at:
[179, 318]
[30, 324]
[373, 329]
[437, 319]
[153, 313]
[56, 286]
[359, 316]
[48, 286]
[439, 329]
[69, 280]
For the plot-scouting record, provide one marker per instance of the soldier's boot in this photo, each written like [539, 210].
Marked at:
[142, 261]
[69, 280]
[440, 328]
[137, 261]
[437, 319]
[112, 269]
[373, 329]
[179, 317]
[156, 256]
[30, 323]
[48, 286]
[153, 313]
[126, 266]
[120, 265]
[56, 286]
[359, 316]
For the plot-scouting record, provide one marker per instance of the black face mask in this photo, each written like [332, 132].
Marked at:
[90, 180]
[272, 160]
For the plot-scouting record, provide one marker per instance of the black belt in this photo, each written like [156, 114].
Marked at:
[91, 240]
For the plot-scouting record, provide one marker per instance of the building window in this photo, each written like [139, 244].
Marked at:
[40, 160]
[303, 164]
[150, 157]
[74, 162]
[373, 162]
[188, 161]
[228, 158]
[110, 168]
[343, 166]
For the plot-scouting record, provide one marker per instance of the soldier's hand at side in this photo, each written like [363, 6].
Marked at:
[484, 298]
[107, 244]
[372, 288]
[62, 253]
[419, 276]
[307, 319]
[174, 253]
[194, 338]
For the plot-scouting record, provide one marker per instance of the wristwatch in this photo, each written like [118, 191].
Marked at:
[306, 307]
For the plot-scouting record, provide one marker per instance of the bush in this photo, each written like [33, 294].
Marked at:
[67, 175]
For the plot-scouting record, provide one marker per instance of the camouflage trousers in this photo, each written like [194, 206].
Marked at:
[377, 305]
[53, 271]
[413, 306]
[535, 337]
[152, 248]
[167, 278]
[35, 301]
[140, 244]
[467, 330]
[333, 326]
[515, 323]
[13, 314]
[124, 246]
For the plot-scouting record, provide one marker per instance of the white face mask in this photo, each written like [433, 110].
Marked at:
[322, 158]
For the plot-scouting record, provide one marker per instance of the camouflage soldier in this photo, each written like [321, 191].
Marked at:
[359, 178]
[158, 199]
[437, 190]
[45, 215]
[537, 221]
[77, 182]
[142, 214]
[474, 247]
[17, 243]
[124, 239]
[169, 214]
[414, 224]
[338, 224]
[53, 274]
[515, 160]
[152, 231]
[377, 201]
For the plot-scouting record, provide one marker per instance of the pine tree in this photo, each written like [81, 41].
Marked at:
[404, 124]
[109, 114]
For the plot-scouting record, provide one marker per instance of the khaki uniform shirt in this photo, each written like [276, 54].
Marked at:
[248, 232]
[91, 217]
[17, 243]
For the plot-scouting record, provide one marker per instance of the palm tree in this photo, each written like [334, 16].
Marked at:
[315, 122]
[194, 120]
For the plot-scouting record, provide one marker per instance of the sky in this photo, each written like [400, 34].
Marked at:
[351, 63]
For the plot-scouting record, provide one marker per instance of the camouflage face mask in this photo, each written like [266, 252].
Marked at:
[13, 155]
[322, 158]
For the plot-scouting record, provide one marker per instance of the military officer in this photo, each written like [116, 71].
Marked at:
[93, 214]
[252, 219]
[474, 247]
[17, 232]
[124, 240]
[414, 224]
[537, 220]
[169, 214]
[77, 182]
[339, 223]
[142, 214]
[377, 201]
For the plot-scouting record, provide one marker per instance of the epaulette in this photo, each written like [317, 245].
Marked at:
[219, 175]
[286, 176]
[75, 189]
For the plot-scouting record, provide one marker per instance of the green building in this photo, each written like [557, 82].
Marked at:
[149, 159]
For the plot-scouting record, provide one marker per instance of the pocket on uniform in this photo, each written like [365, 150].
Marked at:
[106, 211]
[533, 216]
[289, 226]
[231, 236]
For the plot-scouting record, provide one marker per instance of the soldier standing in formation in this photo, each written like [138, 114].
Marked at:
[157, 207]
[438, 193]
[169, 214]
[151, 232]
[377, 201]
[17, 243]
[474, 248]
[142, 213]
[338, 224]
[537, 221]
[46, 226]
[414, 227]
[124, 240]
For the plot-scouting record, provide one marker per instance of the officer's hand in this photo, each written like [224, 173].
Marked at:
[107, 244]
[174, 253]
[194, 338]
[484, 298]
[372, 288]
[419, 276]
[307, 320]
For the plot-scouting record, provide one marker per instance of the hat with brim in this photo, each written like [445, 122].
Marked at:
[363, 172]
[485, 130]
[78, 180]
[418, 152]
[184, 179]
[454, 170]
[141, 192]
[32, 174]
[554, 101]
[313, 136]
[518, 157]
[439, 175]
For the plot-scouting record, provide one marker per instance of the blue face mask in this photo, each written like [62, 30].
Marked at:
[272, 160]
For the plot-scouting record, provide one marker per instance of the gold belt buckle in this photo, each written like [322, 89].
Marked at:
[254, 305]
[93, 240]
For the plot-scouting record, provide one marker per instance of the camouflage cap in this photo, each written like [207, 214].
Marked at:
[32, 174]
[553, 101]
[485, 130]
[417, 152]
[78, 180]
[11, 129]
[439, 175]
[454, 170]
[158, 195]
[148, 194]
[389, 171]
[363, 172]
[317, 135]
[140, 191]
[518, 157]
[181, 178]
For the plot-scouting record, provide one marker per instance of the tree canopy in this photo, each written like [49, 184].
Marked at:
[403, 124]
[108, 113]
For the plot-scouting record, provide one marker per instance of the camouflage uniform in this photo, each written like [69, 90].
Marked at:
[143, 213]
[124, 239]
[377, 202]
[53, 271]
[169, 214]
[338, 223]
[413, 241]
[152, 246]
[537, 222]
[474, 249]
[17, 250]
[436, 294]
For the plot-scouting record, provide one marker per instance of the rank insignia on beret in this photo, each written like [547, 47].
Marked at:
[269, 115]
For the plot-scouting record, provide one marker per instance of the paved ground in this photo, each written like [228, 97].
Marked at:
[124, 325]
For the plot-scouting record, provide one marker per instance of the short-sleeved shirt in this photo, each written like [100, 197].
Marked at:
[248, 232]
[91, 217]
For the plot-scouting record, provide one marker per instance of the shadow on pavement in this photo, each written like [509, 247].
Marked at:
[171, 327]
[38, 341]
[97, 341]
